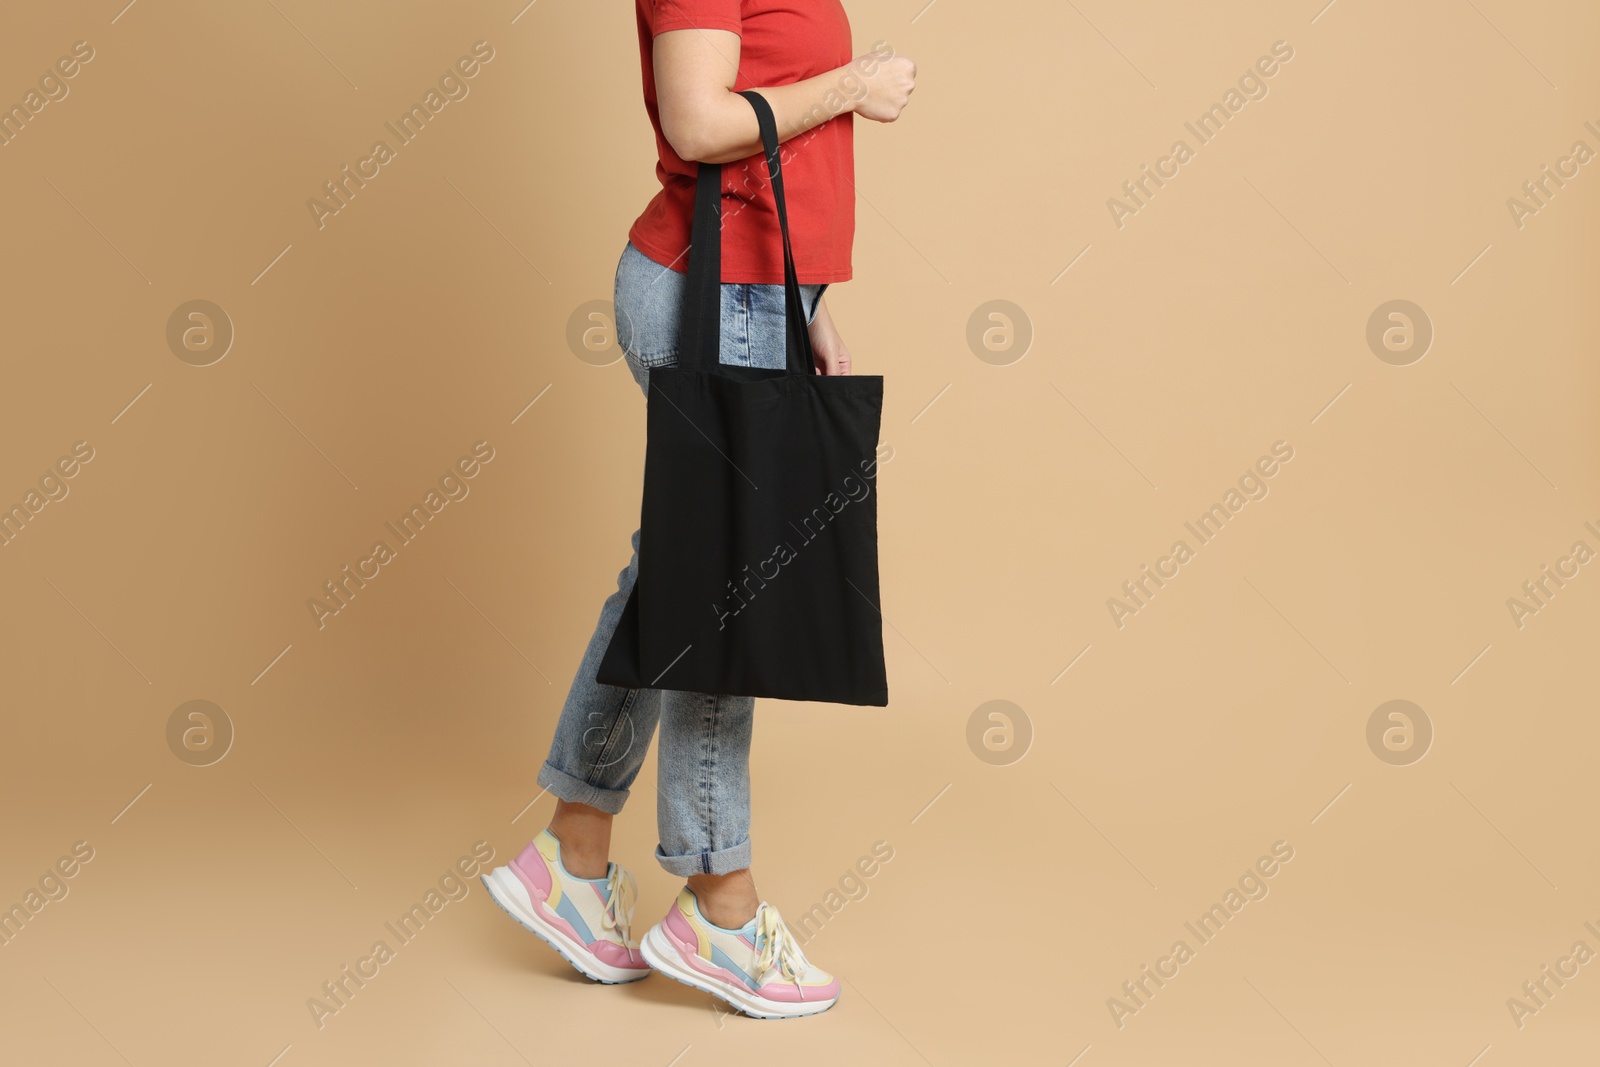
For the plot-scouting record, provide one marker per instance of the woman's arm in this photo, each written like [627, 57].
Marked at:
[705, 122]
[829, 352]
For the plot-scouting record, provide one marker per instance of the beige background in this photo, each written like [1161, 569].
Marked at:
[1228, 714]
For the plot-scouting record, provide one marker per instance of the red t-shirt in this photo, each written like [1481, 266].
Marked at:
[781, 42]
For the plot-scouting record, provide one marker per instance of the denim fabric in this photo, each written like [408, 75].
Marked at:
[703, 759]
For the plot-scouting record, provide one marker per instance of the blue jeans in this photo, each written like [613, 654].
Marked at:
[703, 761]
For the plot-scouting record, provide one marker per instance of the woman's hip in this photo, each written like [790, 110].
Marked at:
[649, 308]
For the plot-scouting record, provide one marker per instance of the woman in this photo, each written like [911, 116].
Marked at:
[719, 935]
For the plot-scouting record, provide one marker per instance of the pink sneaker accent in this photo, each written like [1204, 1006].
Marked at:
[534, 873]
[784, 993]
[585, 920]
[760, 970]
[618, 956]
[681, 932]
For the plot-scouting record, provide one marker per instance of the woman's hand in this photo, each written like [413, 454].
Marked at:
[832, 357]
[889, 86]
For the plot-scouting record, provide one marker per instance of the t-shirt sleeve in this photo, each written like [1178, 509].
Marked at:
[696, 15]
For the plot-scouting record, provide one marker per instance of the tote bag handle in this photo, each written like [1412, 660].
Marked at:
[700, 336]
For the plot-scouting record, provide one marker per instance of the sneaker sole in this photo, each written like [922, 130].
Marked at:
[661, 954]
[506, 890]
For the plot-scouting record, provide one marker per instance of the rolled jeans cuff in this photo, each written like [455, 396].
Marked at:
[706, 861]
[576, 791]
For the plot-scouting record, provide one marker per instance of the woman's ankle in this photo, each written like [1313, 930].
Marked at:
[584, 834]
[726, 900]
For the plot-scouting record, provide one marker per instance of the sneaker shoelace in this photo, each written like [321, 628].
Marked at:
[619, 904]
[776, 948]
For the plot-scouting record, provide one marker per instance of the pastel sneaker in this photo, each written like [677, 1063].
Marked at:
[587, 920]
[759, 969]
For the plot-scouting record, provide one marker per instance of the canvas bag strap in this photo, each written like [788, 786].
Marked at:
[700, 334]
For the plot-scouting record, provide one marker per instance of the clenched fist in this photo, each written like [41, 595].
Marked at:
[889, 82]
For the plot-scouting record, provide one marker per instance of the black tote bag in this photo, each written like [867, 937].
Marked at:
[758, 545]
